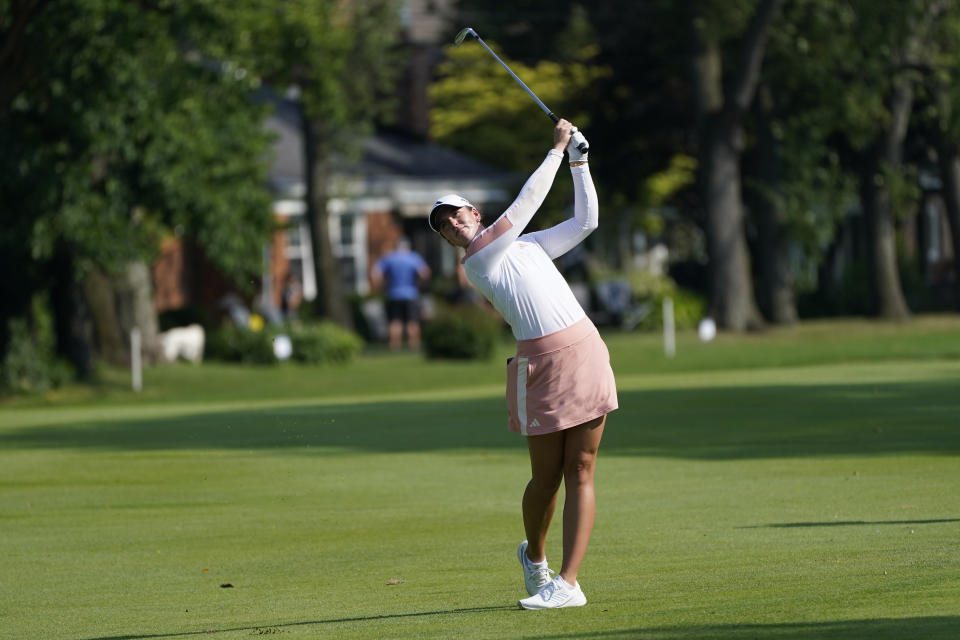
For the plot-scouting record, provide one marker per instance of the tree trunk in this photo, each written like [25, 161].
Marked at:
[117, 303]
[331, 301]
[101, 301]
[949, 161]
[133, 289]
[720, 116]
[71, 319]
[776, 295]
[732, 300]
[886, 290]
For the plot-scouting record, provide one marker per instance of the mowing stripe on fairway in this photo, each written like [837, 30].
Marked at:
[814, 375]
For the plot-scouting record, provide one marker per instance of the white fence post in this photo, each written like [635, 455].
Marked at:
[669, 331]
[136, 365]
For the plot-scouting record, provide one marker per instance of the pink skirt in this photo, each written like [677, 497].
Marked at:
[560, 380]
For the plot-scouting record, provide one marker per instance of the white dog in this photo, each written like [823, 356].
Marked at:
[183, 342]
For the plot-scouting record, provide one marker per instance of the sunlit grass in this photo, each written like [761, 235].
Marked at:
[378, 372]
[789, 485]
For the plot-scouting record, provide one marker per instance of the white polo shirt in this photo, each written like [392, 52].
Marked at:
[516, 272]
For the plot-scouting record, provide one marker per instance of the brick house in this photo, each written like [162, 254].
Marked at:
[387, 193]
[384, 194]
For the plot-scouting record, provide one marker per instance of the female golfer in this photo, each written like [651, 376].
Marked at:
[559, 385]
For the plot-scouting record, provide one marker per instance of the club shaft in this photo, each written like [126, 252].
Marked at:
[519, 81]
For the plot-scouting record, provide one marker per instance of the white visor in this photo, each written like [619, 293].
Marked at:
[450, 199]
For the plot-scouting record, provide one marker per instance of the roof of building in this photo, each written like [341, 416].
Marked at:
[385, 157]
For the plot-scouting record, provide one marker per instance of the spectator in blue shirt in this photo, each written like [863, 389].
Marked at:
[401, 273]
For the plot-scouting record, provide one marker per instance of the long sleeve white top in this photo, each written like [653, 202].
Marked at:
[516, 272]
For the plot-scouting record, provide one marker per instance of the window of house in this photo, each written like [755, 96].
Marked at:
[300, 257]
[348, 237]
[346, 230]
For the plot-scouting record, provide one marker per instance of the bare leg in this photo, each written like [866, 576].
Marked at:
[579, 506]
[395, 330]
[540, 496]
[413, 335]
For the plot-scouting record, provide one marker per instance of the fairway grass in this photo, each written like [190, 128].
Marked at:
[783, 496]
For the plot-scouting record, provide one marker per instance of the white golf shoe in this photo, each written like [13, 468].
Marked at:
[536, 575]
[557, 593]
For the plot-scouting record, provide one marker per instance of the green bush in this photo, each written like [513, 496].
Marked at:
[30, 363]
[463, 333]
[324, 342]
[651, 289]
[649, 286]
[312, 343]
[239, 344]
[688, 309]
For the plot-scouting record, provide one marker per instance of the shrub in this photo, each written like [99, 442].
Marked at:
[30, 363]
[312, 343]
[324, 342]
[688, 309]
[464, 333]
[239, 344]
[650, 290]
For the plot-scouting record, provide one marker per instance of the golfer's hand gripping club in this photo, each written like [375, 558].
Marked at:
[578, 142]
[578, 147]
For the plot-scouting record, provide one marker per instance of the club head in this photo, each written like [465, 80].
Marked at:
[462, 35]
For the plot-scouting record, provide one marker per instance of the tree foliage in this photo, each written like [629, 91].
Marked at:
[939, 123]
[113, 132]
[341, 60]
[839, 82]
[120, 134]
[479, 109]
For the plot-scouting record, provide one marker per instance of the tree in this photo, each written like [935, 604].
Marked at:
[721, 108]
[112, 133]
[775, 278]
[614, 73]
[942, 119]
[893, 39]
[830, 114]
[341, 60]
[948, 164]
[794, 182]
[477, 108]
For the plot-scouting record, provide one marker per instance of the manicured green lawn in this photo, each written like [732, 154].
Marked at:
[795, 484]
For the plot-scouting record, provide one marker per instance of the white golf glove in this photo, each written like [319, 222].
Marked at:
[576, 143]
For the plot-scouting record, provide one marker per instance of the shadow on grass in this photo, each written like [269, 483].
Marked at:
[928, 628]
[276, 628]
[847, 523]
[713, 423]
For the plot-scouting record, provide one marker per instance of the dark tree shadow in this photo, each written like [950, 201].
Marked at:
[849, 523]
[266, 629]
[715, 423]
[928, 628]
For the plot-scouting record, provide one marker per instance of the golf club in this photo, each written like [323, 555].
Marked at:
[579, 140]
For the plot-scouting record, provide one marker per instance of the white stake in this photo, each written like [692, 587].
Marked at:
[669, 331]
[136, 367]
